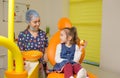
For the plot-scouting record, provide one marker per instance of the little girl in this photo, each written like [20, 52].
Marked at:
[68, 55]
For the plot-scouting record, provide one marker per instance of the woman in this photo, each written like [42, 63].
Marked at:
[33, 38]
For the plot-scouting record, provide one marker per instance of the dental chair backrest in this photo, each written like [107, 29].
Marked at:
[55, 39]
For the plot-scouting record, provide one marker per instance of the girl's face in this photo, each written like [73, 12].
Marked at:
[35, 23]
[63, 36]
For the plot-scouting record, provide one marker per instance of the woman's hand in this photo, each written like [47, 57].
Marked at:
[45, 57]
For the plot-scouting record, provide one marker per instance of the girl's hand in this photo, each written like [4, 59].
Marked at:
[83, 44]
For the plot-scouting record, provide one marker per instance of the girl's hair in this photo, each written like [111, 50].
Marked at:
[73, 33]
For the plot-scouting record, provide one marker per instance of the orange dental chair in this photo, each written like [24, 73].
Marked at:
[64, 22]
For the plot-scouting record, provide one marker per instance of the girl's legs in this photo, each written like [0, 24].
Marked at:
[76, 68]
[68, 71]
[81, 72]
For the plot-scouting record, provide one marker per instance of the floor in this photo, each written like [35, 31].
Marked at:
[100, 73]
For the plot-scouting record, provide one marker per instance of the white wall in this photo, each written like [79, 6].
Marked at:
[110, 48]
[51, 11]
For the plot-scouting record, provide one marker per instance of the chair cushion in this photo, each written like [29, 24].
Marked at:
[61, 75]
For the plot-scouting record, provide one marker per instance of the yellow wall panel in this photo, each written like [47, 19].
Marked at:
[88, 11]
[86, 15]
[92, 35]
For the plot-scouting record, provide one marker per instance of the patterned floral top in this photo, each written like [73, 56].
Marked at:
[27, 42]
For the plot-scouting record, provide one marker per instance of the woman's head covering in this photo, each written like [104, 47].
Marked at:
[30, 15]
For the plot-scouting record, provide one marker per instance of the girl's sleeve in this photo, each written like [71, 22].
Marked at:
[77, 54]
[21, 42]
[58, 59]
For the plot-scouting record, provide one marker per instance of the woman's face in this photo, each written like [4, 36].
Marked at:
[35, 23]
[63, 37]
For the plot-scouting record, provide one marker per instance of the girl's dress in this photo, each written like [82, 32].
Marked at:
[66, 55]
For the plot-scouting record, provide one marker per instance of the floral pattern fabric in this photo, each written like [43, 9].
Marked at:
[27, 42]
